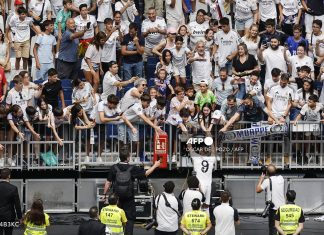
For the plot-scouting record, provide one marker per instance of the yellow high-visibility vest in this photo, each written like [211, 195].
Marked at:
[195, 221]
[113, 217]
[289, 217]
[32, 229]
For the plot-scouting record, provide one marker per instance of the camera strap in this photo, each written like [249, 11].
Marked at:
[167, 204]
[270, 181]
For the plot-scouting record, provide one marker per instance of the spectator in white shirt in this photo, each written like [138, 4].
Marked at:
[91, 62]
[174, 13]
[153, 30]
[40, 10]
[198, 28]
[83, 20]
[112, 82]
[267, 10]
[91, 6]
[17, 95]
[83, 94]
[128, 10]
[226, 217]
[275, 77]
[245, 15]
[32, 90]
[280, 98]
[104, 12]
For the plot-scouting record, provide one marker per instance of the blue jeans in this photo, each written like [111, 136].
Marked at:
[241, 93]
[130, 70]
[42, 73]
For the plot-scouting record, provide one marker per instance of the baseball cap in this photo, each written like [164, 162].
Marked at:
[204, 82]
[171, 30]
[19, 2]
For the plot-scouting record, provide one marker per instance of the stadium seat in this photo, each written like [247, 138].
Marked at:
[66, 83]
[39, 81]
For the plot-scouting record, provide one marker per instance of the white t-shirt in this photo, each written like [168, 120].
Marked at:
[244, 8]
[280, 99]
[108, 86]
[167, 218]
[36, 6]
[175, 13]
[102, 106]
[56, 6]
[104, 10]
[179, 58]
[213, 5]
[133, 112]
[290, 7]
[312, 39]
[188, 195]
[77, 3]
[128, 100]
[257, 88]
[197, 32]
[267, 9]
[153, 39]
[274, 59]
[14, 97]
[269, 84]
[252, 46]
[278, 189]
[109, 49]
[154, 112]
[299, 98]
[129, 14]
[295, 62]
[227, 44]
[312, 114]
[86, 92]
[21, 28]
[203, 166]
[93, 54]
[201, 69]
[81, 23]
[225, 216]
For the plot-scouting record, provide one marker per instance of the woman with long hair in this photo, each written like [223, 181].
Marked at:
[44, 109]
[84, 95]
[36, 220]
[243, 65]
[4, 53]
[166, 63]
[303, 94]
[91, 65]
[252, 39]
[205, 118]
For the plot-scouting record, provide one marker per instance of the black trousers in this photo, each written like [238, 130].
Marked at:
[128, 205]
[272, 228]
[6, 231]
[158, 232]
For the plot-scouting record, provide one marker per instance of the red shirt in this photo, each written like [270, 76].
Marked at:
[3, 81]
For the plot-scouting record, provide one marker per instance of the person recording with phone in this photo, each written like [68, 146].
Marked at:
[274, 185]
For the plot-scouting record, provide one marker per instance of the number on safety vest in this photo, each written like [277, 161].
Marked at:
[109, 214]
[205, 166]
[194, 220]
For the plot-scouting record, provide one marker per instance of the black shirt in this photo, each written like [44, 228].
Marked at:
[51, 92]
[130, 46]
[316, 6]
[266, 37]
[249, 64]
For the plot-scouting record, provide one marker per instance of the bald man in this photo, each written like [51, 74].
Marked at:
[68, 51]
[275, 193]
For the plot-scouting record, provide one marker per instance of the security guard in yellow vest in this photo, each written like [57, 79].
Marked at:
[113, 217]
[195, 222]
[290, 217]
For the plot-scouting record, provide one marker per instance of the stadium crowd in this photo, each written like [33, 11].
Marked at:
[190, 64]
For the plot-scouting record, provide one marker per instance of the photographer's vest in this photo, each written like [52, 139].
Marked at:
[196, 221]
[111, 216]
[289, 217]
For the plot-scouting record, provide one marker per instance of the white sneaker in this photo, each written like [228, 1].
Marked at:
[86, 159]
[174, 158]
[1, 162]
[11, 162]
[99, 159]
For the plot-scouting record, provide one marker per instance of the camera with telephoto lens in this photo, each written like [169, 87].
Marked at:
[269, 205]
[151, 224]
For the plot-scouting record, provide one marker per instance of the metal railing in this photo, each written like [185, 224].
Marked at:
[301, 147]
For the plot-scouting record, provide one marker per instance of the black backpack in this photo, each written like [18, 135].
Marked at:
[123, 185]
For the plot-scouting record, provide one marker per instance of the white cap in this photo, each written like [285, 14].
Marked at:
[217, 114]
[204, 82]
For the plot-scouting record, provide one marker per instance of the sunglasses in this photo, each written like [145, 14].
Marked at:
[144, 85]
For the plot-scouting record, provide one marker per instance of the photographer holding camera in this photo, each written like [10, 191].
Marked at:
[167, 211]
[275, 187]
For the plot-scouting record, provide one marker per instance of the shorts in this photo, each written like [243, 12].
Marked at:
[243, 24]
[124, 130]
[179, 71]
[22, 49]
[206, 190]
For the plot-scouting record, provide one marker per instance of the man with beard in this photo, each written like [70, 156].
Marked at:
[273, 57]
